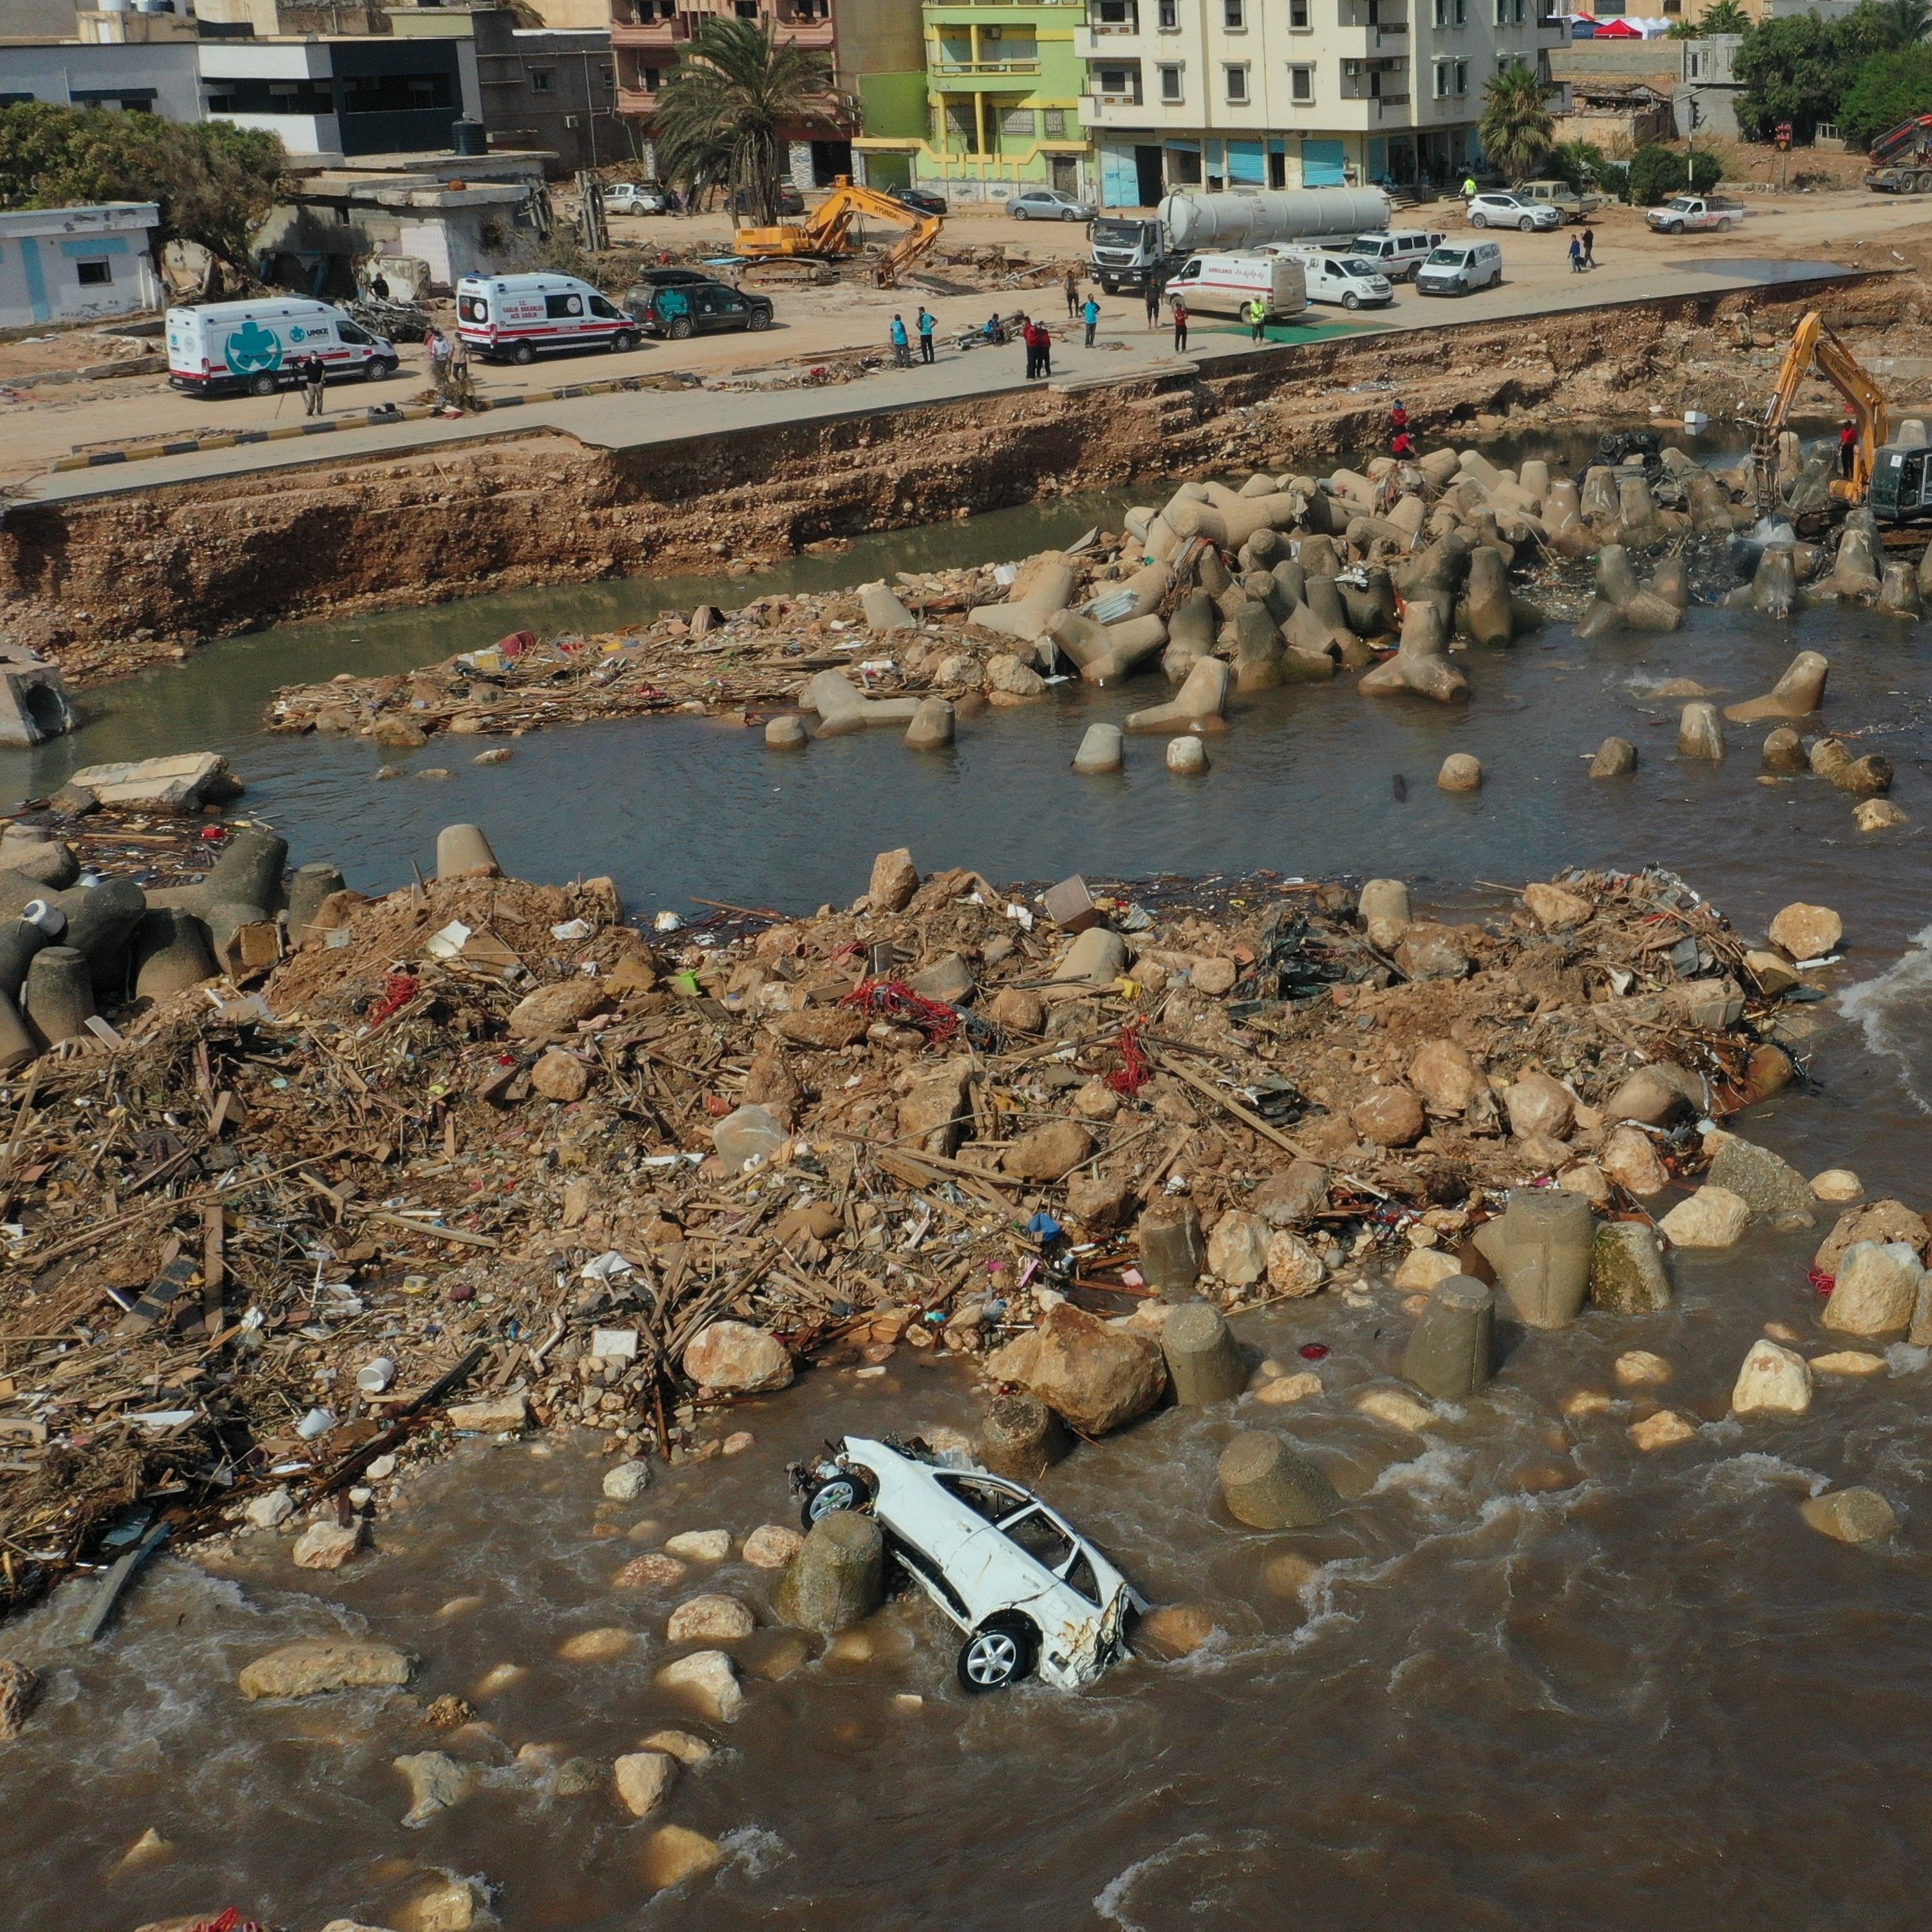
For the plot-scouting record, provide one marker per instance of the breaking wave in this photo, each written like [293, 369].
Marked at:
[1892, 1011]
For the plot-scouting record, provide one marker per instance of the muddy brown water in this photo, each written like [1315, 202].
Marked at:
[1536, 1678]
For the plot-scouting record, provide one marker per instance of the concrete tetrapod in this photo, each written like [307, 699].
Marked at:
[1173, 1251]
[1452, 1352]
[932, 729]
[100, 920]
[1050, 589]
[1420, 664]
[1487, 597]
[1190, 634]
[1100, 750]
[1104, 653]
[1203, 697]
[1186, 756]
[59, 999]
[20, 939]
[883, 609]
[1615, 757]
[1799, 693]
[249, 869]
[1898, 593]
[837, 1578]
[462, 852]
[1700, 733]
[1784, 751]
[1021, 1438]
[171, 952]
[1258, 649]
[786, 733]
[310, 886]
[1539, 1247]
[1266, 1485]
[1622, 602]
[17, 1044]
[1203, 1360]
[842, 706]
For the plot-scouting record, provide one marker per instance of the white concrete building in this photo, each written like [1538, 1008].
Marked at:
[149, 77]
[77, 264]
[1230, 94]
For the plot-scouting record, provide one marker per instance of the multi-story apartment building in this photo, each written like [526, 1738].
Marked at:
[1003, 81]
[872, 47]
[1230, 94]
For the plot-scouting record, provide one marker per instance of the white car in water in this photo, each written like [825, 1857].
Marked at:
[1032, 1594]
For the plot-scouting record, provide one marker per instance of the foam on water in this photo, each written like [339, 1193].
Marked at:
[1895, 1012]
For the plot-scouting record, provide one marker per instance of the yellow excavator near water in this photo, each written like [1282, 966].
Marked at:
[831, 232]
[1814, 345]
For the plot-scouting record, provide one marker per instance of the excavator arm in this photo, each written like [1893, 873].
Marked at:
[1812, 344]
[828, 233]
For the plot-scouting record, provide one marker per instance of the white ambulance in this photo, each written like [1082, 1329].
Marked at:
[259, 346]
[1225, 284]
[515, 318]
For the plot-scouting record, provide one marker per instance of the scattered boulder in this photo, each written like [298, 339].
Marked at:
[1664, 1430]
[1095, 1375]
[1770, 1185]
[1628, 1157]
[1237, 1248]
[316, 1665]
[708, 1681]
[1849, 1516]
[894, 879]
[1713, 1217]
[1445, 1077]
[736, 1357]
[1615, 758]
[1047, 1152]
[1556, 908]
[772, 1546]
[1875, 1221]
[672, 1855]
[1807, 931]
[1774, 1380]
[710, 1619]
[1460, 771]
[437, 1783]
[644, 1779]
[1875, 1290]
[328, 1545]
[1390, 1116]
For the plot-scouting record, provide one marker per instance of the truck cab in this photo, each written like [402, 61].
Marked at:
[1696, 214]
[1901, 483]
[1559, 195]
[1128, 253]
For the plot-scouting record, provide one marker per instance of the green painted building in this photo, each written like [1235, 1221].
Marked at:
[1003, 80]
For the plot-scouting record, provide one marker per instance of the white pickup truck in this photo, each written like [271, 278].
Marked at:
[1696, 214]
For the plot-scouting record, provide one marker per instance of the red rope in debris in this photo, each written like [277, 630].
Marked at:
[1823, 1282]
[230, 1920]
[398, 990]
[894, 1000]
[1134, 1067]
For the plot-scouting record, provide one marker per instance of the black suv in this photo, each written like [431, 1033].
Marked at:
[697, 308]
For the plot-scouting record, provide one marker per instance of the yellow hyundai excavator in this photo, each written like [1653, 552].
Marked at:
[1814, 344]
[830, 233]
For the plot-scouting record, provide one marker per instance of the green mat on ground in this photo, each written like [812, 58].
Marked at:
[1293, 331]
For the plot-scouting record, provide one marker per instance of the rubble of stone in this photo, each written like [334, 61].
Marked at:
[483, 1129]
[1395, 572]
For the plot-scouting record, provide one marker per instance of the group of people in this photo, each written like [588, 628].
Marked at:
[924, 323]
[1583, 251]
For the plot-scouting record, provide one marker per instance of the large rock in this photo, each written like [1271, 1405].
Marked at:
[1648, 1096]
[1389, 1116]
[1538, 1104]
[672, 1854]
[1429, 951]
[1774, 1380]
[1849, 1516]
[1293, 1268]
[318, 1664]
[327, 1545]
[1627, 1272]
[1237, 1249]
[1628, 1156]
[710, 1619]
[734, 1356]
[1713, 1217]
[1807, 931]
[551, 1010]
[837, 1578]
[1095, 1375]
[1770, 1184]
[1048, 1152]
[1556, 908]
[437, 1783]
[1875, 1221]
[933, 1114]
[708, 1681]
[894, 880]
[1875, 1290]
[1445, 1076]
[644, 1780]
[1294, 1196]
[180, 783]
[560, 1076]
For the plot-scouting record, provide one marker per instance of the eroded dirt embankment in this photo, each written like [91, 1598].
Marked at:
[107, 584]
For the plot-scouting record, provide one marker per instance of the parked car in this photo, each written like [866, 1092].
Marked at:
[1030, 1592]
[1572, 205]
[260, 345]
[1697, 214]
[1347, 279]
[790, 202]
[925, 202]
[703, 307]
[1460, 268]
[520, 317]
[1227, 284]
[635, 198]
[1050, 204]
[1495, 208]
[1396, 253]
[666, 278]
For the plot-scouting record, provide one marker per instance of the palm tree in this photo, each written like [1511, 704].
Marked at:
[1907, 22]
[719, 117]
[1726, 17]
[1516, 129]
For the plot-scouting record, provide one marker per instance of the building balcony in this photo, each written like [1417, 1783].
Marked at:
[1104, 42]
[1112, 109]
[803, 31]
[638, 104]
[658, 36]
[980, 76]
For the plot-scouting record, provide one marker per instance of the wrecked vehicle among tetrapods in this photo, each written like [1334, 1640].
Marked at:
[1030, 1591]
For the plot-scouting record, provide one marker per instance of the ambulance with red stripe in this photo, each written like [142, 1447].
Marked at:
[517, 318]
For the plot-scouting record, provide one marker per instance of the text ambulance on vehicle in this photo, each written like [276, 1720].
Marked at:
[259, 346]
[516, 318]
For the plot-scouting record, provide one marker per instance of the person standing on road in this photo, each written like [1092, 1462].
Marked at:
[1589, 247]
[1030, 336]
[1153, 304]
[901, 344]
[1258, 319]
[1045, 337]
[1848, 444]
[1072, 286]
[1576, 254]
[1468, 187]
[1090, 314]
[926, 322]
[314, 374]
[1180, 323]
[437, 344]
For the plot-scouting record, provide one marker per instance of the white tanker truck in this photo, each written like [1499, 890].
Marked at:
[1130, 250]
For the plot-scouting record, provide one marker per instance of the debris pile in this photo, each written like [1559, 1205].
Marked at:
[480, 1142]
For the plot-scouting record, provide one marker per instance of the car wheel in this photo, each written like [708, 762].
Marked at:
[997, 1656]
[679, 329]
[623, 342]
[263, 384]
[1019, 214]
[842, 1491]
[523, 354]
[1723, 228]
[1674, 228]
[1352, 300]
[378, 369]
[761, 319]
[1479, 221]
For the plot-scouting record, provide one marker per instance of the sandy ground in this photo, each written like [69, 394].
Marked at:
[36, 425]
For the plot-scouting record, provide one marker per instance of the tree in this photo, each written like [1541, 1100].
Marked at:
[1516, 128]
[1726, 16]
[1581, 164]
[213, 182]
[1889, 88]
[1800, 69]
[1908, 22]
[721, 115]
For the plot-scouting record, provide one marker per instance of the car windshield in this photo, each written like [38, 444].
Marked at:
[1118, 233]
[1444, 258]
[983, 1496]
[1355, 265]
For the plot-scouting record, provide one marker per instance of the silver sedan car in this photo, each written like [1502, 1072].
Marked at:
[1050, 204]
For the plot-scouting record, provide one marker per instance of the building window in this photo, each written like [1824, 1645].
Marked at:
[1170, 16]
[1461, 13]
[1300, 84]
[543, 80]
[1442, 12]
[1115, 80]
[746, 9]
[1170, 91]
[1462, 76]
[1234, 15]
[93, 274]
[1236, 74]
[1298, 15]
[1017, 121]
[653, 79]
[1502, 13]
[1053, 124]
[1442, 80]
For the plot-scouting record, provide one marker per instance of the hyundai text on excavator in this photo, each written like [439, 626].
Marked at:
[830, 233]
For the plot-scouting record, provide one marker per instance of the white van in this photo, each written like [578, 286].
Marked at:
[256, 346]
[1395, 253]
[1225, 284]
[1460, 268]
[1349, 279]
[515, 317]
